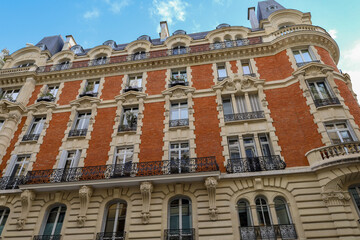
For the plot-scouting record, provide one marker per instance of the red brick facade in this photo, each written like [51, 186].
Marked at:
[326, 58]
[202, 76]
[69, 92]
[155, 82]
[34, 94]
[234, 68]
[112, 87]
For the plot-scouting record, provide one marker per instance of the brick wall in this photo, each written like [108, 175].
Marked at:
[69, 92]
[34, 94]
[152, 132]
[294, 124]
[350, 101]
[112, 87]
[207, 130]
[52, 141]
[155, 82]
[274, 67]
[11, 147]
[326, 58]
[99, 145]
[233, 66]
[202, 76]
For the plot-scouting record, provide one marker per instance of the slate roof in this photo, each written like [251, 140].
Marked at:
[53, 43]
[264, 11]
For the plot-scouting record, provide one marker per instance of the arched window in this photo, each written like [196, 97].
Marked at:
[179, 50]
[355, 193]
[63, 65]
[4, 214]
[244, 213]
[282, 211]
[114, 227]
[54, 222]
[140, 54]
[228, 41]
[263, 212]
[99, 60]
[25, 64]
[217, 44]
[180, 222]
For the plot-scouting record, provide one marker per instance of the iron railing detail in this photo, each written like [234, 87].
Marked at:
[97, 62]
[110, 236]
[229, 44]
[47, 237]
[178, 82]
[178, 51]
[127, 128]
[30, 137]
[59, 67]
[89, 94]
[244, 116]
[131, 88]
[282, 231]
[179, 234]
[77, 132]
[255, 164]
[129, 169]
[250, 74]
[46, 99]
[138, 56]
[8, 182]
[179, 122]
[326, 101]
[300, 64]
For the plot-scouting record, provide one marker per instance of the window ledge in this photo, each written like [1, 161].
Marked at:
[179, 127]
[29, 141]
[126, 132]
[330, 106]
[244, 120]
[76, 137]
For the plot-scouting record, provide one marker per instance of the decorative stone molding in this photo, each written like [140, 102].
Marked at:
[335, 198]
[85, 102]
[178, 91]
[27, 197]
[210, 184]
[238, 83]
[41, 107]
[146, 189]
[85, 194]
[130, 97]
[7, 107]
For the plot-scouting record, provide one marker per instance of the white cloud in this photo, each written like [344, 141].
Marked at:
[222, 2]
[91, 14]
[170, 10]
[333, 33]
[350, 62]
[117, 5]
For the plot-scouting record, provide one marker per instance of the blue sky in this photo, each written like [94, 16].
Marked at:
[92, 22]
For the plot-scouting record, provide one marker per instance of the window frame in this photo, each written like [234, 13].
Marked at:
[300, 50]
[179, 74]
[223, 67]
[337, 130]
[135, 78]
[262, 211]
[47, 214]
[357, 189]
[248, 210]
[5, 94]
[246, 63]
[179, 150]
[180, 198]
[234, 138]
[39, 125]
[106, 213]
[178, 108]
[286, 209]
[116, 155]
[2, 122]
[86, 120]
[5, 213]
[95, 88]
[327, 87]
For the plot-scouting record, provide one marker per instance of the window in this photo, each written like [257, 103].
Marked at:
[180, 222]
[4, 214]
[129, 119]
[241, 103]
[244, 211]
[64, 65]
[227, 107]
[81, 124]
[303, 56]
[246, 68]
[114, 228]
[263, 212]
[265, 145]
[92, 87]
[54, 222]
[250, 148]
[123, 161]
[179, 50]
[179, 157]
[135, 83]
[10, 94]
[246, 107]
[179, 75]
[339, 132]
[234, 148]
[282, 211]
[179, 115]
[139, 55]
[53, 90]
[35, 129]
[221, 70]
[100, 61]
[321, 93]
[27, 64]
[1, 123]
[355, 193]
[69, 161]
[17, 170]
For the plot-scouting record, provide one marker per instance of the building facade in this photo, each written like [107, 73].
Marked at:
[235, 133]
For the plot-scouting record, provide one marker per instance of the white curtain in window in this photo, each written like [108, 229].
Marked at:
[241, 104]
[254, 102]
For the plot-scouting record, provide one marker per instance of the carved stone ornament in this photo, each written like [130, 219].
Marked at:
[211, 184]
[85, 194]
[85, 102]
[146, 189]
[27, 197]
[335, 198]
[178, 93]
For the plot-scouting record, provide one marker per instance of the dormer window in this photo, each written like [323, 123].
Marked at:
[26, 64]
[77, 49]
[139, 55]
[179, 50]
[99, 61]
[110, 43]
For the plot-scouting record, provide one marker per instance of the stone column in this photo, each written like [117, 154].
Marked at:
[8, 129]
[26, 91]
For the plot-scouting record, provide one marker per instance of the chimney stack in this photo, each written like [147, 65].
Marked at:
[164, 31]
[253, 19]
[70, 41]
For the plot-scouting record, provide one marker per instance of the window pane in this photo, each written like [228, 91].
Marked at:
[345, 135]
[222, 72]
[186, 224]
[254, 102]
[323, 90]
[244, 214]
[306, 55]
[234, 149]
[227, 107]
[355, 193]
[174, 214]
[241, 104]
[246, 68]
[314, 91]
[282, 212]
[184, 113]
[110, 219]
[297, 56]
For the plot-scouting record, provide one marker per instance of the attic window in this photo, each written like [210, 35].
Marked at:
[272, 7]
[144, 37]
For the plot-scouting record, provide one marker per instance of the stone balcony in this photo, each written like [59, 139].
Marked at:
[334, 154]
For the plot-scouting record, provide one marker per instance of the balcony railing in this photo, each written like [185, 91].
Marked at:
[59, 67]
[304, 63]
[132, 88]
[30, 137]
[179, 234]
[233, 43]
[89, 94]
[244, 116]
[46, 99]
[283, 231]
[127, 128]
[138, 56]
[97, 62]
[255, 164]
[179, 122]
[8, 182]
[250, 74]
[178, 51]
[78, 132]
[326, 102]
[129, 169]
[110, 236]
[47, 237]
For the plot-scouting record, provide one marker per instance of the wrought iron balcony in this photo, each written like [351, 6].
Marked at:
[179, 122]
[230, 44]
[30, 137]
[47, 237]
[78, 132]
[255, 164]
[110, 236]
[132, 88]
[180, 81]
[46, 99]
[100, 61]
[244, 116]
[127, 128]
[138, 56]
[300, 64]
[250, 74]
[179, 51]
[89, 94]
[8, 182]
[326, 101]
[283, 231]
[179, 234]
[129, 169]
[62, 66]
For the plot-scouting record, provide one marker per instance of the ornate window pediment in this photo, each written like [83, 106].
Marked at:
[313, 69]
[62, 55]
[238, 83]
[138, 44]
[7, 106]
[130, 97]
[102, 50]
[85, 102]
[41, 107]
[178, 91]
